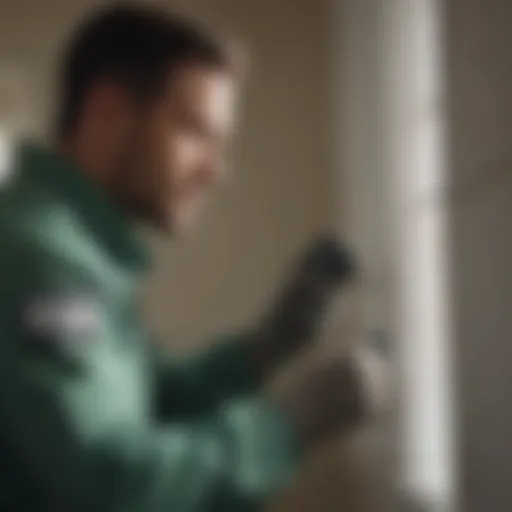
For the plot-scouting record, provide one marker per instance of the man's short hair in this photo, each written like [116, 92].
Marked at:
[138, 47]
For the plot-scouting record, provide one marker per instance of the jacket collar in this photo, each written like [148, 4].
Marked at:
[112, 227]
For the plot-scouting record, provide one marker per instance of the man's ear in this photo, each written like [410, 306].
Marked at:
[109, 109]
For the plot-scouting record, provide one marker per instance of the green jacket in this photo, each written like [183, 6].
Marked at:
[92, 418]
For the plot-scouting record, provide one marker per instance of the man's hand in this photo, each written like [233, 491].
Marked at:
[297, 314]
[337, 396]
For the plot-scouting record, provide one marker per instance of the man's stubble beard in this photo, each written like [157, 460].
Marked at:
[136, 193]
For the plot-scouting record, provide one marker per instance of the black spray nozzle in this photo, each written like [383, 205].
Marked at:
[297, 314]
[328, 258]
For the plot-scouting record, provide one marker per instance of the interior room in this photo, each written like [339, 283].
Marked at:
[388, 125]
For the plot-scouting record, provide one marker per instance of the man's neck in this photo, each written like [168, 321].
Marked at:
[86, 157]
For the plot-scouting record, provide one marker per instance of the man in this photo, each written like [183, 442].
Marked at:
[92, 418]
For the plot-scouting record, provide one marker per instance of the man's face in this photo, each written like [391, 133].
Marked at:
[179, 146]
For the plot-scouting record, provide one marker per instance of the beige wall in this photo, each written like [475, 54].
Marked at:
[481, 212]
[280, 193]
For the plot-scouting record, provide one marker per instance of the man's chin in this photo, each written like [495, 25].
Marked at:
[175, 222]
[182, 224]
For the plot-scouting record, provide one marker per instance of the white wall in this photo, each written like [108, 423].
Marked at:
[393, 120]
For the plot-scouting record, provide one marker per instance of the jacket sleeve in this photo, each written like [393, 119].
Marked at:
[199, 383]
[56, 417]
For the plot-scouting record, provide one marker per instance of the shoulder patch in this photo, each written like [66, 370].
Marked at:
[62, 316]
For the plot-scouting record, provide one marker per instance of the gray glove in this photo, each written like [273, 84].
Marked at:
[337, 396]
[296, 315]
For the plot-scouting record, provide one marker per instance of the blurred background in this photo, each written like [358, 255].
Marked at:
[387, 122]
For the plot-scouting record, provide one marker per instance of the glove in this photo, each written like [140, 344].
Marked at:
[298, 311]
[337, 396]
